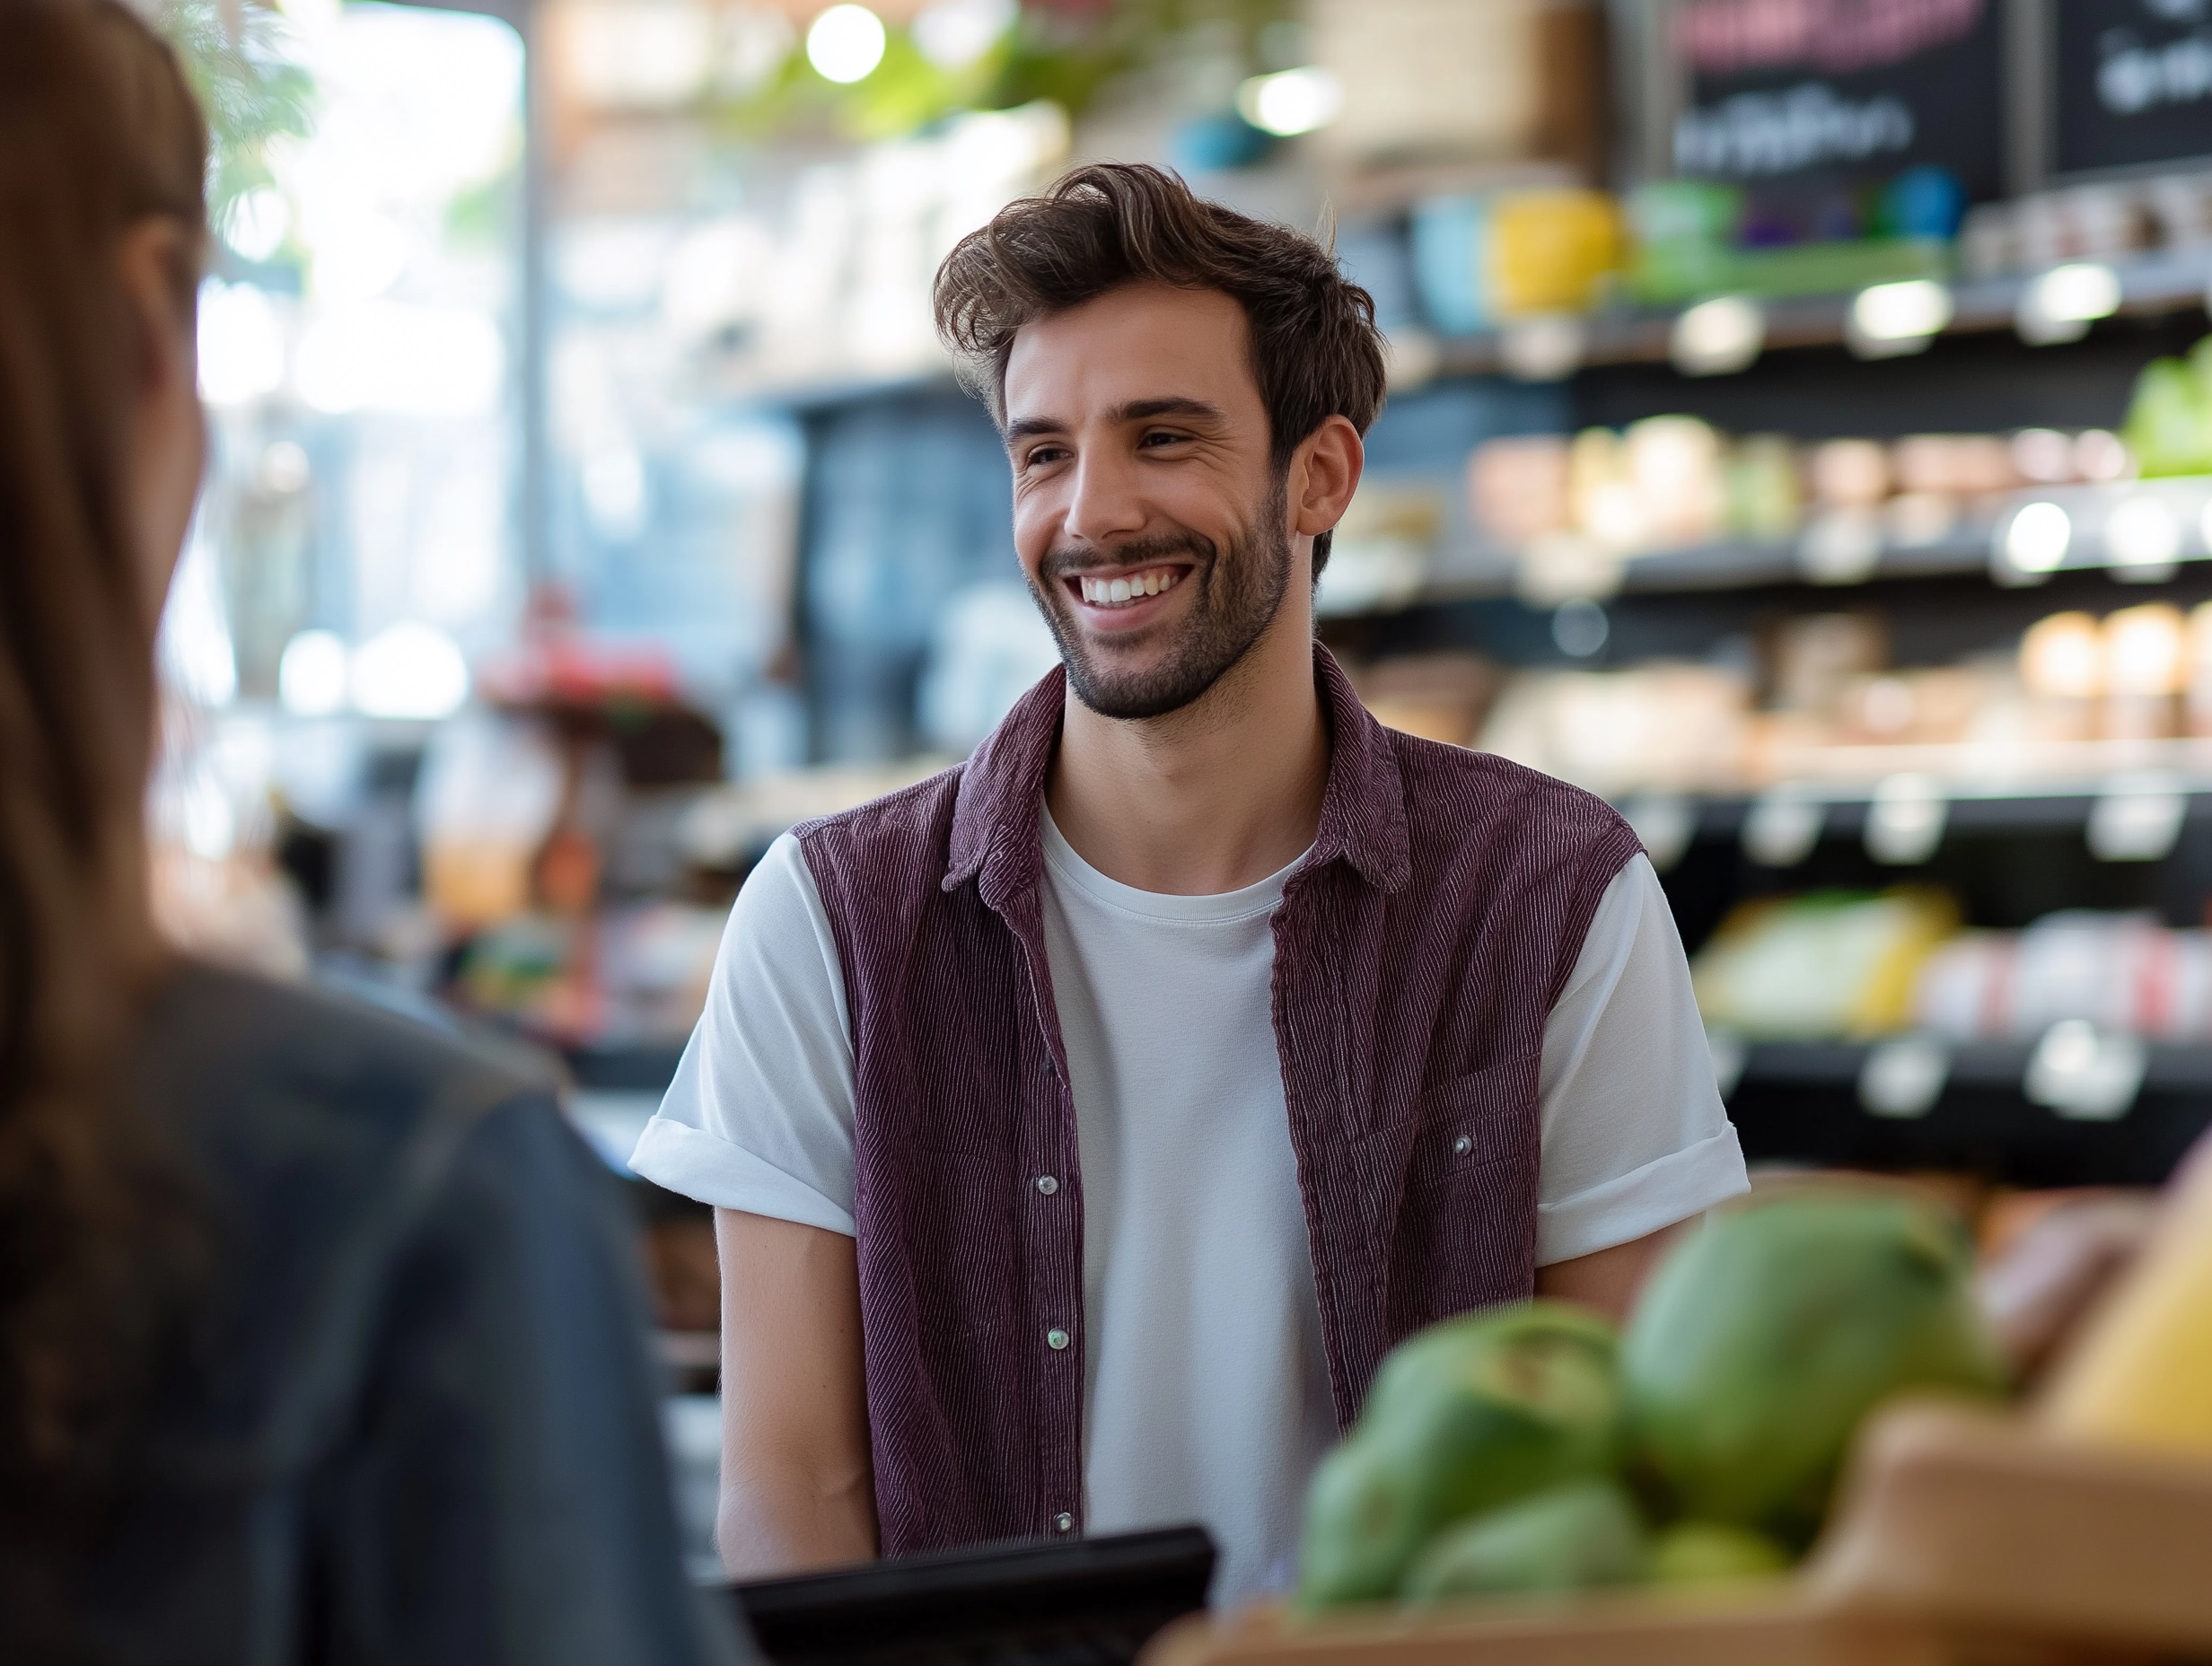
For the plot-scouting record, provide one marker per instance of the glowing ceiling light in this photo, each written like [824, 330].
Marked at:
[1889, 319]
[1291, 101]
[2039, 536]
[846, 43]
[311, 677]
[409, 671]
[1718, 338]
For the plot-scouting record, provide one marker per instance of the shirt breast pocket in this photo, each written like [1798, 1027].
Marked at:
[1464, 1232]
[1477, 1121]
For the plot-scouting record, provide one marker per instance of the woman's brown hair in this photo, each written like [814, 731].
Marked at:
[98, 132]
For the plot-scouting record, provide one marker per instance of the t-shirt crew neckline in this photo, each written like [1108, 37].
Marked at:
[1216, 908]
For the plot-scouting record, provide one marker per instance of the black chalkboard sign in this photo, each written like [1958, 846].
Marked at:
[1781, 92]
[2131, 83]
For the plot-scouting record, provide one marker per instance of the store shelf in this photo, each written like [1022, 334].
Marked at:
[1801, 1102]
[2099, 532]
[2151, 285]
[2031, 786]
[1725, 563]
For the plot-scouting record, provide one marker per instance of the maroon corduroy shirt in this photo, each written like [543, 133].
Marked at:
[1417, 951]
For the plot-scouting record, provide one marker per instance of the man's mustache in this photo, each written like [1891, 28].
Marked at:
[1068, 562]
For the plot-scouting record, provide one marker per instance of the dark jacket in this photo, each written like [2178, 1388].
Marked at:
[414, 1421]
[1417, 951]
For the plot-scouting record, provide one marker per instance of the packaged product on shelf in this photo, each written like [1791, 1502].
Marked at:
[1666, 727]
[2123, 972]
[2123, 678]
[1815, 656]
[1482, 259]
[1764, 497]
[1601, 498]
[1957, 465]
[2197, 703]
[2168, 425]
[1820, 966]
[1850, 474]
[2062, 667]
[1551, 251]
[2043, 457]
[2145, 671]
[1439, 697]
[1923, 708]
[1517, 488]
[1384, 546]
[1674, 470]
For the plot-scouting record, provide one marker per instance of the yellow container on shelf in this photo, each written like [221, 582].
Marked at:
[1550, 251]
[2141, 1375]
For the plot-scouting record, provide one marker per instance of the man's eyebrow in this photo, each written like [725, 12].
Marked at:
[1139, 410]
[1136, 410]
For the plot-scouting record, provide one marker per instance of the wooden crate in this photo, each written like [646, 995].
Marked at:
[1979, 1522]
[1963, 1538]
[1782, 1630]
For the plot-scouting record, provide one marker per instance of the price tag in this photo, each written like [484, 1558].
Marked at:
[1905, 822]
[2085, 1074]
[1782, 826]
[2137, 819]
[1842, 547]
[1666, 823]
[1904, 1077]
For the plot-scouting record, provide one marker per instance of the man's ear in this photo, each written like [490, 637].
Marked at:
[1324, 473]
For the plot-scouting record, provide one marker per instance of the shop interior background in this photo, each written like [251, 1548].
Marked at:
[1799, 433]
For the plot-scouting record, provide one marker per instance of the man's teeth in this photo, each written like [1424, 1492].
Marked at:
[1113, 592]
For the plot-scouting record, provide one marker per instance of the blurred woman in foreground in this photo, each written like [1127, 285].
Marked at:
[319, 1336]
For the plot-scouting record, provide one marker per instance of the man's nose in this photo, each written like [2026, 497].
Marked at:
[1105, 504]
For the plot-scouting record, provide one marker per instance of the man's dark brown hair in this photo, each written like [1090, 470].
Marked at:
[1316, 353]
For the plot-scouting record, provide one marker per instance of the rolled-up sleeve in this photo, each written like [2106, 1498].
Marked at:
[759, 1115]
[1635, 1136]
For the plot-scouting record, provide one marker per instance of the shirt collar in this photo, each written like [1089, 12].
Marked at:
[996, 833]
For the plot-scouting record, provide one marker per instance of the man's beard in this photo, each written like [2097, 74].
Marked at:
[1237, 593]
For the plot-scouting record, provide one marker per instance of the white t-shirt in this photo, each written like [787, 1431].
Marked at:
[1207, 1392]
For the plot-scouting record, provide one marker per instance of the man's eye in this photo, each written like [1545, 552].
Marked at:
[1040, 455]
[1160, 437]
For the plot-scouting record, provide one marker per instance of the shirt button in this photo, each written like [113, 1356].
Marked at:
[1463, 1144]
[1063, 1522]
[1047, 1185]
[1056, 1338]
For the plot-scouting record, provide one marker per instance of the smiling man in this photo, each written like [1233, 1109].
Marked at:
[1085, 1123]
